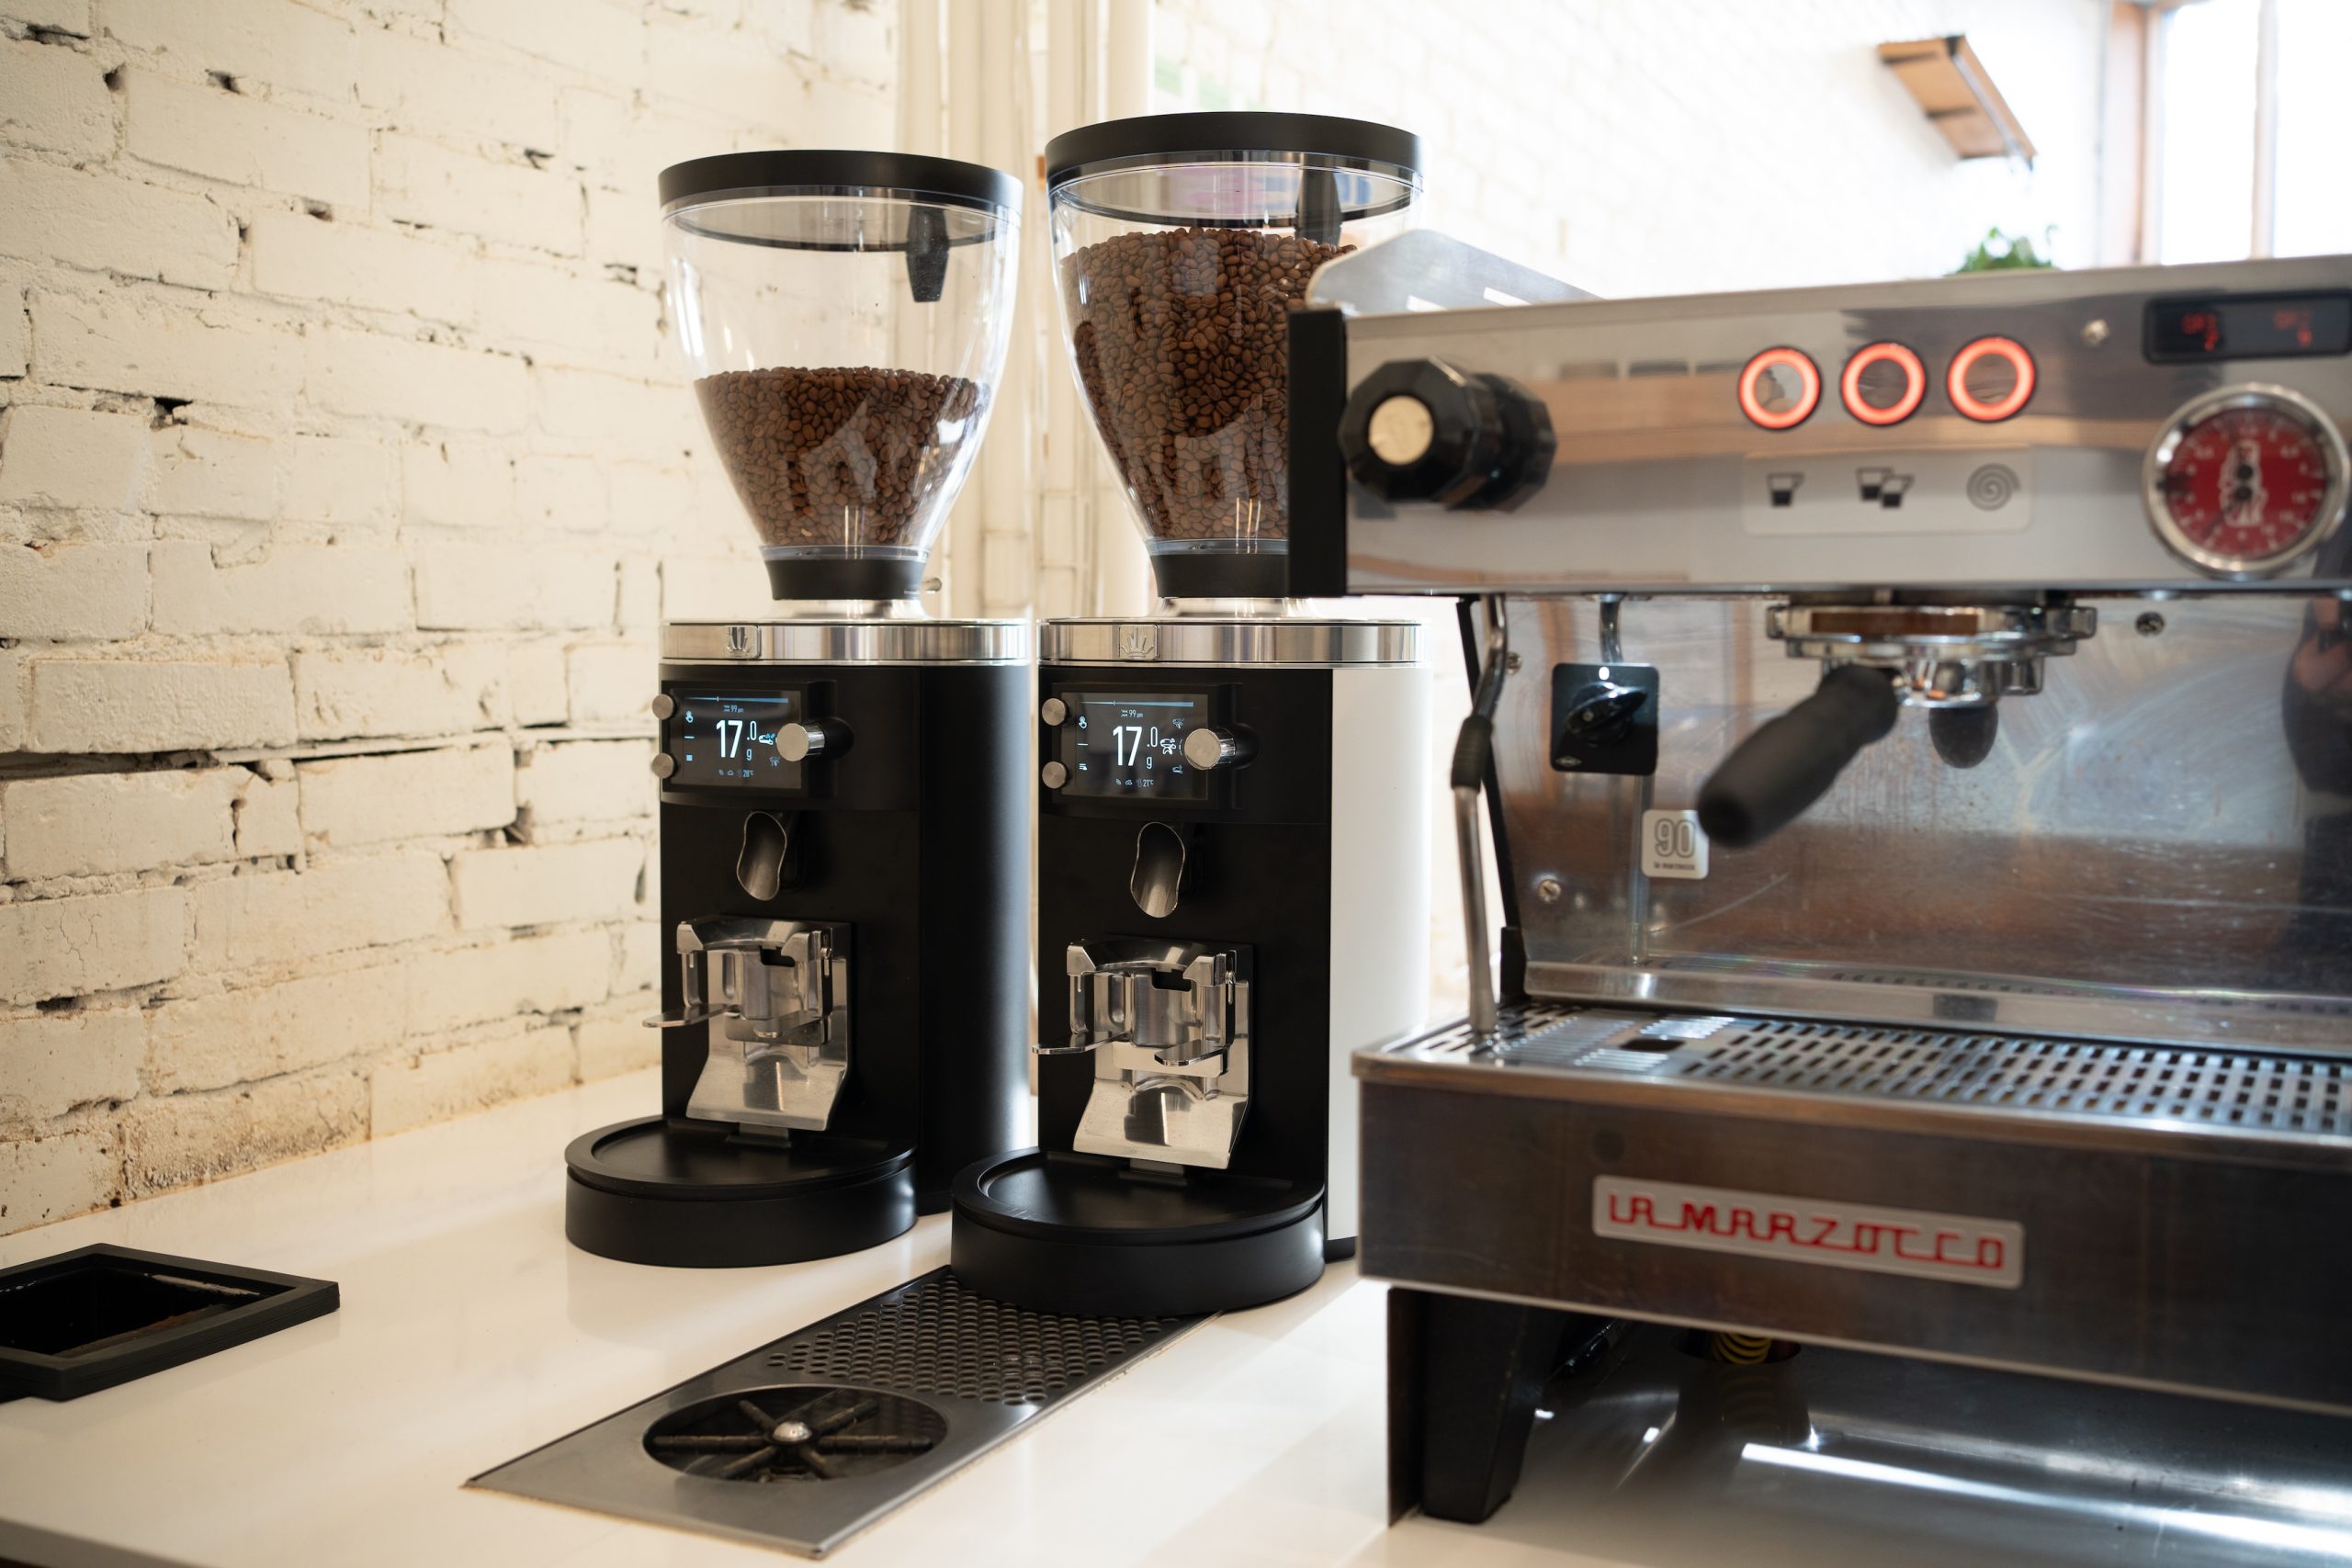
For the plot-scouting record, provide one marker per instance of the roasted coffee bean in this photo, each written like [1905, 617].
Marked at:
[1183, 337]
[850, 455]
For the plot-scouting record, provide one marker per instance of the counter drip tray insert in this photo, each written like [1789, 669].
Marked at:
[812, 1438]
[96, 1316]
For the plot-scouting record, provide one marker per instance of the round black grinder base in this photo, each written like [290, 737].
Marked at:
[1080, 1234]
[700, 1195]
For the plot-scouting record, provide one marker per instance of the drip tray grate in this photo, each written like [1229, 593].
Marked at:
[1933, 1071]
[838, 1423]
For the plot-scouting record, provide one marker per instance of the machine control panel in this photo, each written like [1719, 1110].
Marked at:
[1117, 744]
[2047, 430]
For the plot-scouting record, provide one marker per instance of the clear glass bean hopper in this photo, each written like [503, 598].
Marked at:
[1181, 245]
[846, 316]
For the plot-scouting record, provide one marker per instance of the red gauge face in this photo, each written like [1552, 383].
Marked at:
[2248, 485]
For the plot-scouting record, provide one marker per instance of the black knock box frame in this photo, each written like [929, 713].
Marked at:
[88, 1319]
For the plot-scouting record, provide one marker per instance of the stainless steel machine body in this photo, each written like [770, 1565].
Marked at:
[2030, 1044]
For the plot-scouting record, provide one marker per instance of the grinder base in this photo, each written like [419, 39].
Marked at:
[701, 1195]
[1079, 1233]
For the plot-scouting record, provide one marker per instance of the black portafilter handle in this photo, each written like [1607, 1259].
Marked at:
[1791, 761]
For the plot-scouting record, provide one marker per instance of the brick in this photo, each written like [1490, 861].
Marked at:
[55, 1178]
[546, 884]
[331, 479]
[50, 1063]
[52, 456]
[261, 1032]
[856, 41]
[175, 1140]
[611, 682]
[318, 589]
[639, 600]
[282, 917]
[57, 16]
[595, 316]
[135, 342]
[614, 1038]
[727, 73]
[558, 973]
[587, 781]
[408, 795]
[458, 486]
[90, 824]
[375, 691]
[106, 942]
[645, 955]
[12, 700]
[534, 682]
[268, 814]
[588, 35]
[473, 1075]
[195, 472]
[56, 98]
[73, 592]
[649, 500]
[429, 87]
[103, 225]
[362, 373]
[244, 141]
[16, 333]
[561, 492]
[859, 115]
[435, 186]
[158, 704]
[506, 588]
[271, 42]
[298, 256]
[614, 412]
[623, 230]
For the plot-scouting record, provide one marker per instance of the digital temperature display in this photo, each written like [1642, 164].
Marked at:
[729, 738]
[1130, 745]
[2272, 326]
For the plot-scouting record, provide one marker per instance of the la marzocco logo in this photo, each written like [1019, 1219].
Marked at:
[1837, 1234]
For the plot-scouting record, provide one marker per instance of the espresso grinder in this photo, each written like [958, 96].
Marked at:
[845, 848]
[1232, 850]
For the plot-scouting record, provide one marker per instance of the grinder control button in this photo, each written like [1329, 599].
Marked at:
[1052, 710]
[664, 704]
[663, 764]
[1215, 746]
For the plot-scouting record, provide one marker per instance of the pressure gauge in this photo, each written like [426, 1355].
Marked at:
[2245, 480]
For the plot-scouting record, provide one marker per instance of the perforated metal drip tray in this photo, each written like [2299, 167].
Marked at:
[812, 1438]
[1885, 1076]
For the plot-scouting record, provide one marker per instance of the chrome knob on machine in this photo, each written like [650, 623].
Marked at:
[1219, 746]
[814, 737]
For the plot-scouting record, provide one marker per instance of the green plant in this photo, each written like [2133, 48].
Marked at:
[2001, 253]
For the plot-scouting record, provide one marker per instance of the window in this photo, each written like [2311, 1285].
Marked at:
[2249, 119]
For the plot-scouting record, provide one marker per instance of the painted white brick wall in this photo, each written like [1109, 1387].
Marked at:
[341, 452]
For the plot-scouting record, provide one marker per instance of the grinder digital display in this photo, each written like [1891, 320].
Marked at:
[729, 738]
[1130, 745]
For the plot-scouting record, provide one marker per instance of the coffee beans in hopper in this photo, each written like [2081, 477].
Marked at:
[837, 456]
[1182, 338]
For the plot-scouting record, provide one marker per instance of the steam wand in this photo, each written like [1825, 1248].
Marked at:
[1473, 751]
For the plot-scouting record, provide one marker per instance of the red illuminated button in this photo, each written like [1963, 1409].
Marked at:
[1780, 388]
[1991, 379]
[1883, 384]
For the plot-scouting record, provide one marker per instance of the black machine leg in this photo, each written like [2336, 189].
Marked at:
[1465, 1377]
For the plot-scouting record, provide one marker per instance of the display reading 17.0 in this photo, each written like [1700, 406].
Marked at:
[729, 738]
[1130, 745]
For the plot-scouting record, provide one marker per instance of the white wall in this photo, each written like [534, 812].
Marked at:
[344, 473]
[1642, 147]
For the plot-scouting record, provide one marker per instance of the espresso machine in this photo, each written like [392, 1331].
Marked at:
[1231, 851]
[1914, 725]
[844, 815]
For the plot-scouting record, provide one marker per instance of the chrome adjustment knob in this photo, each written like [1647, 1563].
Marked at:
[663, 704]
[1218, 746]
[821, 738]
[663, 764]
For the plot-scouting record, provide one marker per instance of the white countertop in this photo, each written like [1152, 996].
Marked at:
[471, 1332]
